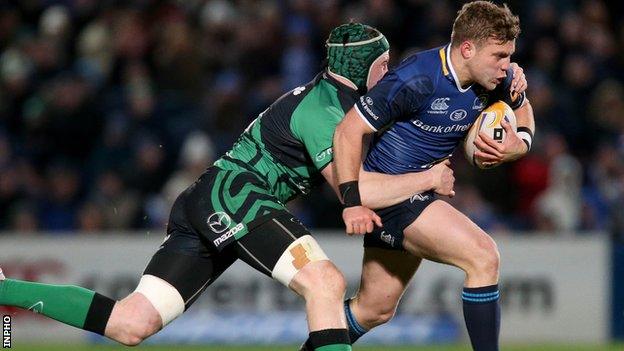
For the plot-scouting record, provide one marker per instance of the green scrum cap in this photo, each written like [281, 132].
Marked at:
[351, 50]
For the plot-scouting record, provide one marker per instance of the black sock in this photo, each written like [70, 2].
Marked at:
[482, 316]
[355, 330]
[325, 337]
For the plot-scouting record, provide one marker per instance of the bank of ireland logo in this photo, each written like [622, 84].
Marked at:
[219, 222]
[440, 104]
[458, 115]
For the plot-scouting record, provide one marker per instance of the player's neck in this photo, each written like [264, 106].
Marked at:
[461, 68]
[343, 80]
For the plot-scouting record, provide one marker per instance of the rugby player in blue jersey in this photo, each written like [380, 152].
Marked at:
[424, 109]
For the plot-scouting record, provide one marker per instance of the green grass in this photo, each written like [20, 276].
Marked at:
[39, 347]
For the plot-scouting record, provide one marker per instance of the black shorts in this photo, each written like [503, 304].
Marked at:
[395, 219]
[188, 258]
[224, 205]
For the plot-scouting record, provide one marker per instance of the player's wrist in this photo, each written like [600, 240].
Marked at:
[350, 194]
[526, 135]
[432, 184]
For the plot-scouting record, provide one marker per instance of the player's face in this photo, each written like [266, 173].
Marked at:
[378, 69]
[491, 61]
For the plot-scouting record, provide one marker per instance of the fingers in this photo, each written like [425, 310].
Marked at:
[377, 220]
[509, 130]
[369, 227]
[489, 164]
[355, 228]
[487, 145]
[443, 165]
[486, 157]
[487, 140]
[521, 86]
[360, 228]
[519, 83]
[349, 228]
[507, 126]
[360, 220]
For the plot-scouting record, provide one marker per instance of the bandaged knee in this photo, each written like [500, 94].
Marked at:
[299, 253]
[163, 296]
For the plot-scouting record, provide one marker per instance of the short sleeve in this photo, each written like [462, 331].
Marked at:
[317, 134]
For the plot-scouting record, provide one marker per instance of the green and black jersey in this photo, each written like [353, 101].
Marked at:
[280, 155]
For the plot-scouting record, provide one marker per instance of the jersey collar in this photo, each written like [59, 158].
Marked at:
[343, 89]
[447, 67]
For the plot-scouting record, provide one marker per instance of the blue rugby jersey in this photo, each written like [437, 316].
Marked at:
[422, 112]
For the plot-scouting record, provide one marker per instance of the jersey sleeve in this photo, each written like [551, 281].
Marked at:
[503, 92]
[393, 97]
[317, 134]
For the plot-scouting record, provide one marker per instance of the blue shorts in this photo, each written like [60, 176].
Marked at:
[395, 219]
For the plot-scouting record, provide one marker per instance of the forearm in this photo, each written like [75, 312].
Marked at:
[347, 149]
[347, 155]
[379, 190]
[525, 124]
[524, 116]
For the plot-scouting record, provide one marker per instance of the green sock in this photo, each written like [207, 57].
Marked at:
[69, 304]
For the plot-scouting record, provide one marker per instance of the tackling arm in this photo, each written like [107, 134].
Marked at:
[397, 188]
[348, 157]
[348, 146]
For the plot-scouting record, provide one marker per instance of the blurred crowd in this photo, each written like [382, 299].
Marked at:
[109, 109]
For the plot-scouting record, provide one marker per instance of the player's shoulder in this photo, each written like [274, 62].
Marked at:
[420, 71]
[420, 63]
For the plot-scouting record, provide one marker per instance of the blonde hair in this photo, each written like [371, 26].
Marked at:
[482, 20]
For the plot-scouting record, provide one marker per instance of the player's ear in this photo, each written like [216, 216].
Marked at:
[467, 49]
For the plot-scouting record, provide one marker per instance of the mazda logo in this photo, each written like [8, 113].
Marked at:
[219, 222]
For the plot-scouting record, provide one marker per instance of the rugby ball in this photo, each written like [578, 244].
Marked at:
[489, 122]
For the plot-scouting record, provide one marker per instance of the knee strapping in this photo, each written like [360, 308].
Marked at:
[163, 296]
[299, 253]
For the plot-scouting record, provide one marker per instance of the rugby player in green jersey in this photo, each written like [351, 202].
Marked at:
[236, 210]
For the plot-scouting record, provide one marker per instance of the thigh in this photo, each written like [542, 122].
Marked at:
[385, 275]
[279, 247]
[185, 259]
[443, 234]
[223, 206]
[395, 219]
[189, 272]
